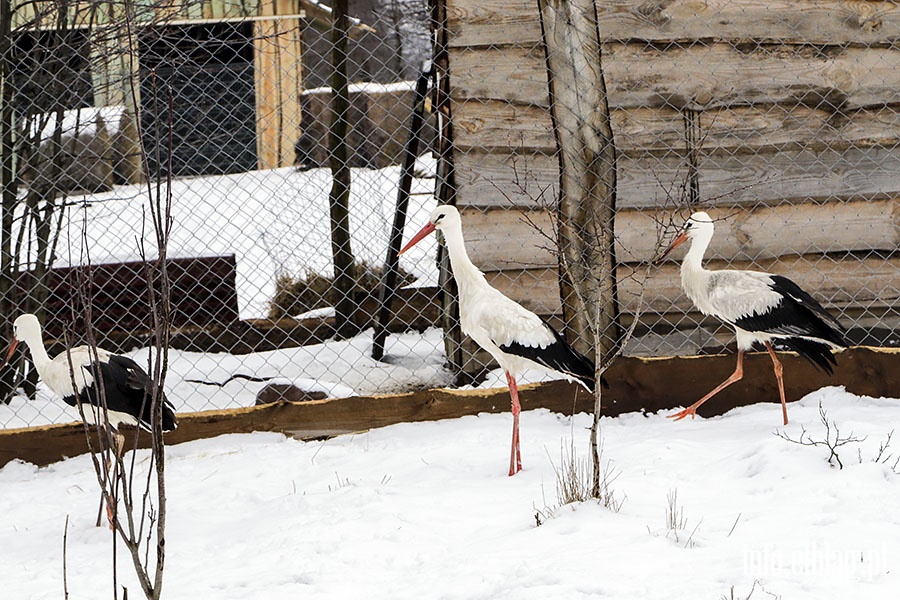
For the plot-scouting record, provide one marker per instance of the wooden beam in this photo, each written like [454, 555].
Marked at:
[277, 48]
[504, 179]
[523, 239]
[636, 384]
[484, 125]
[482, 22]
[696, 77]
[870, 282]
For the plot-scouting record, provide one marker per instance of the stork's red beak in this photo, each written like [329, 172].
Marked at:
[424, 232]
[679, 240]
[9, 353]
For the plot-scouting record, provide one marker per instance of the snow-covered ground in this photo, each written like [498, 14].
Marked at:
[426, 511]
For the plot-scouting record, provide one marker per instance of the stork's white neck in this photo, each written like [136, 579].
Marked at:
[693, 260]
[39, 355]
[465, 272]
[694, 278]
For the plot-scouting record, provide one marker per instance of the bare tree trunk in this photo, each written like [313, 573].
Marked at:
[7, 181]
[339, 199]
[587, 172]
[587, 203]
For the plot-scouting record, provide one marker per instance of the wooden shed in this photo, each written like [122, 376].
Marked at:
[233, 68]
[796, 104]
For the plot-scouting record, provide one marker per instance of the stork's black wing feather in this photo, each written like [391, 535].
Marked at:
[799, 322]
[818, 354]
[797, 315]
[786, 287]
[558, 356]
[128, 390]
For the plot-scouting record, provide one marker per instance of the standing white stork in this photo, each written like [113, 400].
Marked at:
[125, 384]
[517, 338]
[761, 307]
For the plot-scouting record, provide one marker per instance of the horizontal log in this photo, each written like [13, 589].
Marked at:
[696, 77]
[648, 384]
[487, 179]
[524, 239]
[491, 124]
[845, 283]
[483, 22]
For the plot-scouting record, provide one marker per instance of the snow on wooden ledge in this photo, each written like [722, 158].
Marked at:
[636, 384]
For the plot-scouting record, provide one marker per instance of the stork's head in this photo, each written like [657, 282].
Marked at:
[25, 328]
[441, 218]
[699, 224]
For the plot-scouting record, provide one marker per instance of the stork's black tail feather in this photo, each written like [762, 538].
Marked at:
[817, 353]
[559, 357]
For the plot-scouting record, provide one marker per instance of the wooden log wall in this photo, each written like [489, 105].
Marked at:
[796, 102]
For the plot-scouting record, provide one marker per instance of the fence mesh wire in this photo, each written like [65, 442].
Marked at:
[788, 140]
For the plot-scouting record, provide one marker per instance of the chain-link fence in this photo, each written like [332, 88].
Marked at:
[781, 123]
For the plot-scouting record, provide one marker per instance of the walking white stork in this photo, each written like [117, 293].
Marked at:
[517, 338]
[761, 307]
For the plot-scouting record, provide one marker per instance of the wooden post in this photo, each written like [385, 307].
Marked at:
[115, 77]
[277, 47]
[8, 187]
[587, 159]
[446, 193]
[391, 268]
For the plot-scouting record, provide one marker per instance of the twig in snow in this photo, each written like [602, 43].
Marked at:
[832, 443]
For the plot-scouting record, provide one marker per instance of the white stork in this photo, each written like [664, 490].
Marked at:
[517, 338]
[125, 384]
[126, 387]
[761, 307]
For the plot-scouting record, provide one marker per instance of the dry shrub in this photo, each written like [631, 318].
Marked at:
[294, 296]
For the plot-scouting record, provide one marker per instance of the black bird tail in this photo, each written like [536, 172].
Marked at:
[169, 423]
[559, 357]
[817, 353]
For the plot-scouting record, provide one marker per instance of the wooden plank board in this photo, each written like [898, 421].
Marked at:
[649, 384]
[481, 22]
[491, 124]
[276, 48]
[870, 282]
[203, 293]
[702, 76]
[488, 179]
[525, 239]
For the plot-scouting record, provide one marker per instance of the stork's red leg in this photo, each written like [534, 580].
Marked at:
[776, 365]
[515, 454]
[736, 376]
[118, 441]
